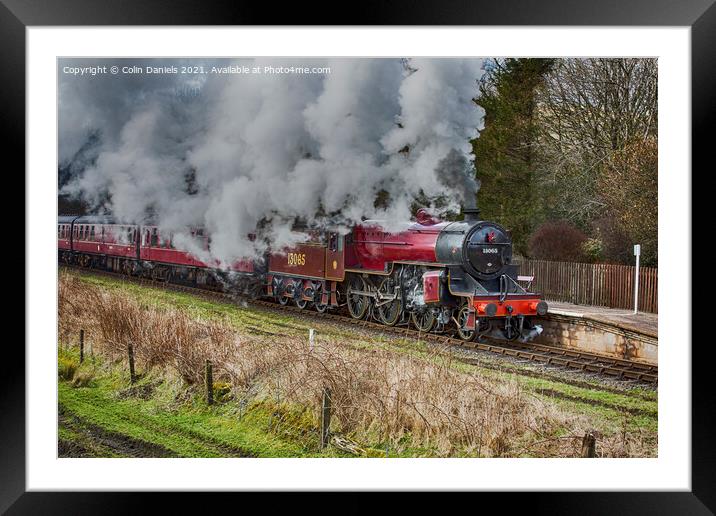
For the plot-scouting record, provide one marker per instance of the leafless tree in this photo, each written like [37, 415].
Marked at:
[589, 111]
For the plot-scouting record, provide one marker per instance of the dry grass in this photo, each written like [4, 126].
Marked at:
[378, 396]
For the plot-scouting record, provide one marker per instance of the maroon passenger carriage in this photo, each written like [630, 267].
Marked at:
[140, 250]
[439, 276]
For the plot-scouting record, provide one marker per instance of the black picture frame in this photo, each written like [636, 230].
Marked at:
[700, 15]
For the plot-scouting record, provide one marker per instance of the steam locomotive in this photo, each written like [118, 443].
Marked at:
[439, 276]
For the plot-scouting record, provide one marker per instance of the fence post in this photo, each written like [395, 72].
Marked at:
[209, 384]
[637, 252]
[130, 352]
[311, 338]
[589, 445]
[82, 345]
[325, 416]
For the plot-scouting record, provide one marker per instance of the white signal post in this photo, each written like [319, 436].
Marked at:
[637, 252]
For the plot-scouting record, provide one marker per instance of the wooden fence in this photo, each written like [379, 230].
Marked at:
[598, 284]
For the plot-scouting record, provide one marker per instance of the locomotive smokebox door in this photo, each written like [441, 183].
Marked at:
[432, 285]
[335, 252]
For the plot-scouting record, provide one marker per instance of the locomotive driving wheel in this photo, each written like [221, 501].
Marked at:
[423, 319]
[280, 287]
[357, 303]
[389, 312]
[300, 302]
[462, 316]
[320, 307]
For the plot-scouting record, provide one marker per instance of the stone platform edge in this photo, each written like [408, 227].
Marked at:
[619, 325]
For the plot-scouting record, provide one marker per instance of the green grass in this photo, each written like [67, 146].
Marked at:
[187, 428]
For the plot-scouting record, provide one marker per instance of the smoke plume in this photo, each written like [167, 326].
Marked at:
[258, 152]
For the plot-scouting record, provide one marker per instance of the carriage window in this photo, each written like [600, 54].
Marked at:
[91, 232]
[333, 242]
[155, 238]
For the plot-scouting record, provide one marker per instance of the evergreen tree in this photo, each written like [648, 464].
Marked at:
[505, 152]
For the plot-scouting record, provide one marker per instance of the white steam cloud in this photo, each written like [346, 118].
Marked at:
[235, 152]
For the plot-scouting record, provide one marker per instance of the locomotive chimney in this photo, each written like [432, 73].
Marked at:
[471, 213]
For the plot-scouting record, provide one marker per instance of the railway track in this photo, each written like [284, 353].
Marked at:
[539, 353]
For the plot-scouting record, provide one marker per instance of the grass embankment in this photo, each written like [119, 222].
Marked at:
[157, 417]
[390, 393]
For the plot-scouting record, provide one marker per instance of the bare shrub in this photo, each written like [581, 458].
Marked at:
[557, 240]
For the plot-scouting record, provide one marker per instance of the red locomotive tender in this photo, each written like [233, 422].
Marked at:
[439, 276]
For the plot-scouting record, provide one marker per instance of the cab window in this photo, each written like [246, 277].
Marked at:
[335, 242]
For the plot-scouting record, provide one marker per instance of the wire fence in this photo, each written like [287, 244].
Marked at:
[597, 284]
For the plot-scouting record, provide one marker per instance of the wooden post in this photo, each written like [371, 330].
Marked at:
[209, 384]
[130, 352]
[311, 338]
[589, 445]
[325, 417]
[82, 345]
[637, 252]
